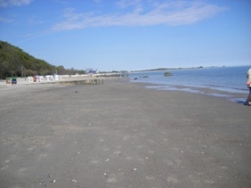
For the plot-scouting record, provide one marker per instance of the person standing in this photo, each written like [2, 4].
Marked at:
[248, 101]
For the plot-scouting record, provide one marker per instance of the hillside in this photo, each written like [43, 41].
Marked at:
[15, 62]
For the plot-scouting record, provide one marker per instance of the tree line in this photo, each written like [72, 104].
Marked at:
[15, 62]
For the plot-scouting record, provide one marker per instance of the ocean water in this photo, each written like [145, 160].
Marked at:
[224, 81]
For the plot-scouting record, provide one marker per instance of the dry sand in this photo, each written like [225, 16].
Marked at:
[121, 135]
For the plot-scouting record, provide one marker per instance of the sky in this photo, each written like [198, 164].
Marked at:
[130, 34]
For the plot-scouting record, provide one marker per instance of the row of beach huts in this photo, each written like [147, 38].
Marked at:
[55, 77]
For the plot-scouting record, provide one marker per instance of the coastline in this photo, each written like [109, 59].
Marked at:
[121, 134]
[233, 96]
[227, 82]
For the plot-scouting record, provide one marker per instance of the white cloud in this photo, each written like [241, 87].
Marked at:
[8, 3]
[170, 13]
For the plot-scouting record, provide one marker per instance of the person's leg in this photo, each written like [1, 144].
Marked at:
[248, 101]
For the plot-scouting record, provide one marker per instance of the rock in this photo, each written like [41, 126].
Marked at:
[168, 74]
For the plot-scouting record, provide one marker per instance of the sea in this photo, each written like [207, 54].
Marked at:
[227, 82]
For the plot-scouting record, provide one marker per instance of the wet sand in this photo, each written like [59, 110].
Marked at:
[121, 134]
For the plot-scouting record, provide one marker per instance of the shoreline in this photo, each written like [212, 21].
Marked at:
[228, 82]
[231, 95]
[236, 97]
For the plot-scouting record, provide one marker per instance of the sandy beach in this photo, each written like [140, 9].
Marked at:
[121, 135]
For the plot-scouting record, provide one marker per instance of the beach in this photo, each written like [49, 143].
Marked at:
[121, 134]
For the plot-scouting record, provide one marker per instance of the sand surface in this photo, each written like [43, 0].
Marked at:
[121, 135]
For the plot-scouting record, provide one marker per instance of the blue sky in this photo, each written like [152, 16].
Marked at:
[130, 34]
